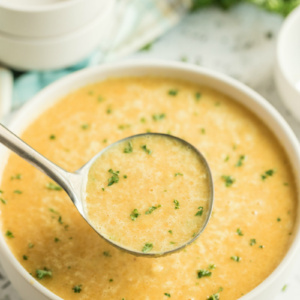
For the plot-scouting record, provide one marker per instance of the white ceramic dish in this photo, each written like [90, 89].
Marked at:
[56, 52]
[27, 286]
[287, 70]
[45, 18]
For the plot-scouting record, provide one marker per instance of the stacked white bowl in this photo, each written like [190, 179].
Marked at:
[51, 34]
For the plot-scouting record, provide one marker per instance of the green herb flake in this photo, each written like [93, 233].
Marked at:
[239, 232]
[125, 176]
[227, 158]
[151, 209]
[284, 288]
[148, 247]
[56, 239]
[18, 192]
[147, 47]
[178, 174]
[77, 288]
[1, 192]
[106, 253]
[252, 242]
[240, 161]
[134, 214]
[9, 234]
[148, 151]
[52, 137]
[173, 92]
[143, 120]
[172, 243]
[114, 178]
[103, 189]
[85, 126]
[104, 141]
[110, 280]
[229, 180]
[3, 201]
[158, 117]
[236, 258]
[129, 148]
[203, 273]
[176, 202]
[211, 266]
[30, 245]
[198, 96]
[167, 294]
[60, 221]
[40, 274]
[203, 131]
[261, 246]
[267, 174]
[109, 111]
[100, 99]
[170, 231]
[25, 257]
[278, 219]
[200, 211]
[214, 297]
[54, 187]
[17, 176]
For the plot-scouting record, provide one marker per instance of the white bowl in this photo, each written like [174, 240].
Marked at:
[44, 18]
[30, 288]
[60, 51]
[287, 69]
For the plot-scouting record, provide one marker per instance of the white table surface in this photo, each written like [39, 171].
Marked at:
[240, 42]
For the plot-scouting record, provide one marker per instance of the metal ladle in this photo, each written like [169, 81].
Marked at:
[74, 183]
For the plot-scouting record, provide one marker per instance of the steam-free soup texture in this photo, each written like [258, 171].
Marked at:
[150, 193]
[255, 195]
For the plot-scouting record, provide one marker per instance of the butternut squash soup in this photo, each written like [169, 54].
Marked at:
[255, 195]
[149, 194]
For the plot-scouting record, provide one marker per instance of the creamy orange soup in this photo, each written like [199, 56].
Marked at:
[148, 194]
[253, 215]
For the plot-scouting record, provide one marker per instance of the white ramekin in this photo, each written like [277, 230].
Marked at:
[27, 18]
[59, 51]
[27, 286]
[287, 67]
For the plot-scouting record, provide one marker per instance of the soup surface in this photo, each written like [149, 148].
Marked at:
[148, 194]
[254, 208]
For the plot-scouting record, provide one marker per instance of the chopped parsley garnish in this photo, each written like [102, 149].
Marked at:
[54, 187]
[109, 111]
[53, 211]
[203, 130]
[52, 137]
[284, 288]
[40, 274]
[252, 242]
[236, 258]
[30, 245]
[104, 141]
[211, 266]
[148, 151]
[143, 120]
[56, 239]
[147, 47]
[200, 211]
[17, 176]
[261, 246]
[124, 126]
[172, 243]
[267, 174]
[3, 201]
[110, 280]
[226, 158]
[198, 96]
[178, 174]
[151, 209]
[148, 247]
[203, 273]
[1, 192]
[9, 234]
[129, 148]
[106, 253]
[18, 192]
[77, 288]
[278, 219]
[240, 161]
[173, 92]
[25, 257]
[103, 189]
[167, 294]
[229, 180]
[100, 99]
[134, 214]
[170, 231]
[214, 297]
[158, 117]
[176, 202]
[125, 176]
[85, 126]
[239, 232]
[60, 221]
[114, 178]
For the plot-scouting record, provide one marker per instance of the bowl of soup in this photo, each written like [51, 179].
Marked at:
[250, 242]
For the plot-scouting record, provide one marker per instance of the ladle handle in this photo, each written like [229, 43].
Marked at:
[11, 141]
